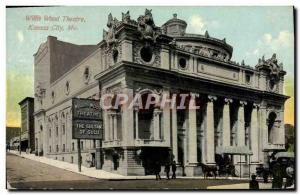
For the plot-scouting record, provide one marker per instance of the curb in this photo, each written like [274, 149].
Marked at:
[121, 177]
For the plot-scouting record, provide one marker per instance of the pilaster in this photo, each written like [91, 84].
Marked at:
[210, 143]
[192, 131]
[226, 122]
[254, 133]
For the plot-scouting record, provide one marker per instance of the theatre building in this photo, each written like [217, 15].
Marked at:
[240, 108]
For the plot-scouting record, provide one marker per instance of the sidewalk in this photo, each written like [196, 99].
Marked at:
[240, 186]
[91, 172]
[95, 173]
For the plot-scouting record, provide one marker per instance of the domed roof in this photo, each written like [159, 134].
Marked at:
[174, 27]
[175, 20]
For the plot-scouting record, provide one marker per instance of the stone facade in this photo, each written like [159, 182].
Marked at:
[240, 106]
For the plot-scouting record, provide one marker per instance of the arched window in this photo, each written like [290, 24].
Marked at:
[271, 127]
[86, 73]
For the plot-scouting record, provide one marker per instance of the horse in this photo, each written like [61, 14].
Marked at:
[207, 169]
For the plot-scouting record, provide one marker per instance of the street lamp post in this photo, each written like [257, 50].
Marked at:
[20, 141]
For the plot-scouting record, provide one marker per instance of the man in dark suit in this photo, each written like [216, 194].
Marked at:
[174, 169]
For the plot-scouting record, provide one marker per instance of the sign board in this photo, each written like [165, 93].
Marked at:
[87, 119]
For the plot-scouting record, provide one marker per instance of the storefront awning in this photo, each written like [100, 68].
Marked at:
[235, 150]
[285, 155]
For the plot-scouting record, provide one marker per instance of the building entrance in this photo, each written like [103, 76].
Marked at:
[150, 156]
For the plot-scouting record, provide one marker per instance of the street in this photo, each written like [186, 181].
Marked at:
[25, 174]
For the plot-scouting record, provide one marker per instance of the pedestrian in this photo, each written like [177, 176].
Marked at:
[265, 174]
[277, 176]
[157, 170]
[167, 170]
[253, 184]
[174, 169]
[289, 175]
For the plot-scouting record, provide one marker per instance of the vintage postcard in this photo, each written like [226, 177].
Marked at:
[150, 98]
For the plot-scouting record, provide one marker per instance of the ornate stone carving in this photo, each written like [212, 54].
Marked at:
[256, 105]
[226, 59]
[204, 51]
[146, 88]
[274, 70]
[173, 43]
[115, 89]
[220, 56]
[272, 65]
[110, 36]
[113, 54]
[228, 100]
[211, 98]
[155, 61]
[146, 27]
[243, 103]
[243, 63]
[206, 34]
[126, 17]
[39, 91]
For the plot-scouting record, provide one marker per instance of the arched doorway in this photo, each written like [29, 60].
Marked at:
[272, 128]
[145, 119]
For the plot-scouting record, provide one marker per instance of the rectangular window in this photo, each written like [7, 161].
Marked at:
[64, 147]
[72, 159]
[63, 129]
[81, 145]
[49, 148]
[56, 131]
[73, 146]
[49, 132]
[56, 148]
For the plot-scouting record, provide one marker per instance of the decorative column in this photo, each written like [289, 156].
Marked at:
[241, 124]
[128, 118]
[156, 126]
[174, 133]
[203, 147]
[226, 122]
[106, 126]
[115, 122]
[210, 130]
[192, 131]
[264, 131]
[136, 118]
[280, 130]
[111, 124]
[185, 149]
[254, 133]
[165, 118]
[241, 131]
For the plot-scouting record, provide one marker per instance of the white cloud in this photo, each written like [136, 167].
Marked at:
[281, 43]
[268, 44]
[285, 39]
[20, 36]
[199, 25]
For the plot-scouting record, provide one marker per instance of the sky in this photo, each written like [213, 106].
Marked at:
[252, 31]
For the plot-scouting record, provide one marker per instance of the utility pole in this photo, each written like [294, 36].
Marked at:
[79, 154]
